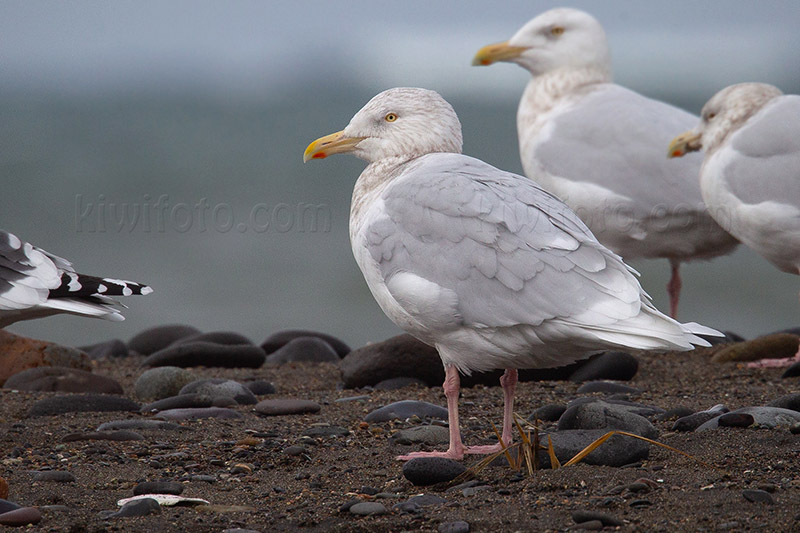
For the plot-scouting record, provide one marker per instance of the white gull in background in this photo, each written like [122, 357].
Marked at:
[750, 179]
[482, 264]
[36, 284]
[597, 146]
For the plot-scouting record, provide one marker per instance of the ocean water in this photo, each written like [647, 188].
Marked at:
[208, 201]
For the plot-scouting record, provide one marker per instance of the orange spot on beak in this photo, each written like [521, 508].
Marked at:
[677, 153]
[319, 155]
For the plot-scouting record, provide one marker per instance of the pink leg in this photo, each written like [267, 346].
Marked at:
[674, 288]
[452, 383]
[509, 382]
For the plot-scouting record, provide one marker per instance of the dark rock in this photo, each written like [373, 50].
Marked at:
[619, 366]
[607, 520]
[122, 435]
[143, 507]
[208, 354]
[736, 420]
[304, 349]
[280, 338]
[260, 387]
[775, 346]
[792, 372]
[425, 500]
[21, 517]
[368, 508]
[162, 382]
[618, 450]
[6, 506]
[294, 451]
[607, 387]
[425, 471]
[758, 496]
[182, 401]
[154, 339]
[62, 379]
[407, 508]
[326, 432]
[602, 415]
[220, 387]
[139, 424]
[789, 401]
[399, 383]
[59, 476]
[81, 403]
[548, 413]
[21, 353]
[695, 420]
[157, 487]
[401, 356]
[591, 525]
[632, 407]
[105, 350]
[198, 413]
[345, 507]
[229, 338]
[422, 435]
[406, 409]
[769, 417]
[286, 406]
[674, 413]
[459, 526]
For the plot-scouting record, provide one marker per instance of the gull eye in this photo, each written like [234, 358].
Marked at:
[390, 117]
[557, 30]
[711, 116]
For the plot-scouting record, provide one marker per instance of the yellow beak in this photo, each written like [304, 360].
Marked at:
[497, 52]
[686, 142]
[335, 143]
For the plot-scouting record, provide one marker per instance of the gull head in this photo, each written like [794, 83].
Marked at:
[556, 39]
[723, 114]
[402, 122]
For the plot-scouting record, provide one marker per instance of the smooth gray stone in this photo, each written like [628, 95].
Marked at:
[406, 409]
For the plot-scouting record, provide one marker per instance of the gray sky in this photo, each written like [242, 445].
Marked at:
[249, 48]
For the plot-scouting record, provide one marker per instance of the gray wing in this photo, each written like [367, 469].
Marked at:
[501, 249]
[27, 273]
[766, 167]
[614, 138]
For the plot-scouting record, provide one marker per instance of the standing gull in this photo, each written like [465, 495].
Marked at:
[595, 145]
[750, 178]
[482, 264]
[36, 284]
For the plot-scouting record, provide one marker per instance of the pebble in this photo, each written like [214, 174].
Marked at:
[294, 451]
[792, 372]
[774, 346]
[59, 476]
[81, 403]
[736, 420]
[106, 350]
[139, 424]
[198, 413]
[260, 387]
[399, 383]
[157, 487]
[201, 353]
[589, 525]
[582, 516]
[424, 471]
[19, 353]
[408, 507]
[406, 409]
[216, 337]
[286, 406]
[758, 496]
[695, 420]
[619, 366]
[217, 388]
[304, 349]
[427, 434]
[674, 413]
[607, 387]
[21, 517]
[62, 379]
[789, 401]
[281, 338]
[162, 382]
[368, 508]
[183, 401]
[618, 450]
[769, 417]
[548, 413]
[153, 339]
[458, 526]
[425, 500]
[602, 415]
[6, 506]
[122, 435]
[326, 431]
[143, 507]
